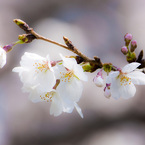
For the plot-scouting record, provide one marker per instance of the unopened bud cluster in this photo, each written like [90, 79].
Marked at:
[129, 48]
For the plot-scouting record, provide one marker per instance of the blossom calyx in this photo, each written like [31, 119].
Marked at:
[131, 57]
[89, 67]
[107, 67]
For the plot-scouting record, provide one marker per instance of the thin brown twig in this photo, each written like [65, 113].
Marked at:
[75, 50]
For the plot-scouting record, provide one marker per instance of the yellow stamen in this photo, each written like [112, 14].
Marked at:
[47, 97]
[41, 66]
[124, 80]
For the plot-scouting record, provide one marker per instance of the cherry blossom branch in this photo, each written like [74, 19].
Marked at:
[59, 82]
[31, 35]
[89, 65]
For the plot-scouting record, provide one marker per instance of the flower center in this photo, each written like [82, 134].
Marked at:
[124, 80]
[42, 67]
[66, 77]
[47, 97]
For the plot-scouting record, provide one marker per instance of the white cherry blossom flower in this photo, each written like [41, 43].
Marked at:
[58, 103]
[37, 75]
[35, 71]
[73, 69]
[122, 81]
[70, 88]
[70, 93]
[2, 57]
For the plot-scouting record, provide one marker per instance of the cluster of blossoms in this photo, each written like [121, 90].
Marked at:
[58, 82]
[120, 83]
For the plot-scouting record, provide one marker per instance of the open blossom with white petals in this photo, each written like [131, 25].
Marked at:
[122, 81]
[36, 71]
[58, 104]
[2, 57]
[52, 97]
[70, 88]
[73, 68]
[39, 75]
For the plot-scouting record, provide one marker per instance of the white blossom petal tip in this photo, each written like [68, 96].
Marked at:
[79, 110]
[2, 57]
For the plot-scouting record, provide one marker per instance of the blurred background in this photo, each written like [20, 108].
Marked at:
[96, 27]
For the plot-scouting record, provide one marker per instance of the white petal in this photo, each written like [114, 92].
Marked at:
[112, 75]
[2, 57]
[26, 76]
[34, 96]
[71, 64]
[78, 110]
[137, 77]
[48, 62]
[59, 70]
[18, 69]
[99, 82]
[70, 93]
[118, 90]
[71, 90]
[128, 91]
[56, 107]
[29, 59]
[68, 62]
[130, 67]
[46, 80]
[68, 104]
[78, 71]
[114, 88]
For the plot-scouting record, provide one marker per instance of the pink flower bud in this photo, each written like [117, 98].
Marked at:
[127, 38]
[124, 50]
[133, 45]
[98, 79]
[107, 92]
[7, 48]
